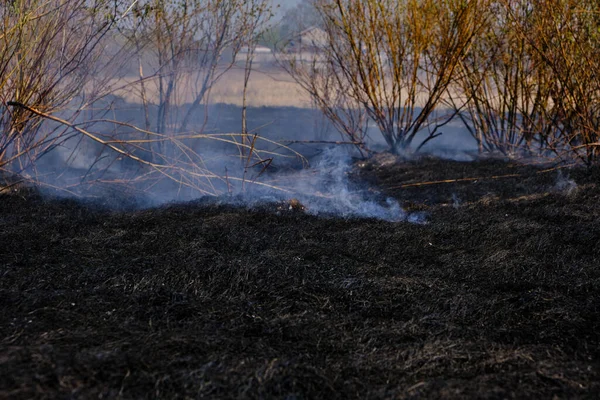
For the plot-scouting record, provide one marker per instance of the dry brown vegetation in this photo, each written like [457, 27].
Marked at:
[520, 74]
[387, 61]
[48, 51]
[63, 59]
[530, 80]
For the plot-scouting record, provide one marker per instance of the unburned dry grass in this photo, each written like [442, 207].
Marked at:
[267, 87]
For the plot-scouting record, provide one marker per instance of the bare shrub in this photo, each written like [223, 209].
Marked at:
[507, 91]
[530, 84]
[51, 55]
[387, 61]
[47, 48]
[567, 41]
[184, 48]
[189, 46]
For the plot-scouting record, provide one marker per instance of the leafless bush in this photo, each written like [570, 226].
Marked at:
[51, 55]
[530, 83]
[567, 42]
[506, 91]
[46, 50]
[387, 61]
[189, 45]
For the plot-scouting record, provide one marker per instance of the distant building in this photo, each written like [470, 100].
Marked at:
[262, 54]
[257, 50]
[311, 40]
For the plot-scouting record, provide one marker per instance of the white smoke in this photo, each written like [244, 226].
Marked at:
[564, 184]
[327, 189]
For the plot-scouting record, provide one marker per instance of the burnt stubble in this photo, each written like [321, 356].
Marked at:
[497, 296]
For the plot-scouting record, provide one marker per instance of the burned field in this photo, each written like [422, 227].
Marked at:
[497, 296]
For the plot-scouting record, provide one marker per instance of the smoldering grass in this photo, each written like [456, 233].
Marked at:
[327, 189]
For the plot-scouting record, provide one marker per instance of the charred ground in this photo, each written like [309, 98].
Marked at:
[496, 297]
